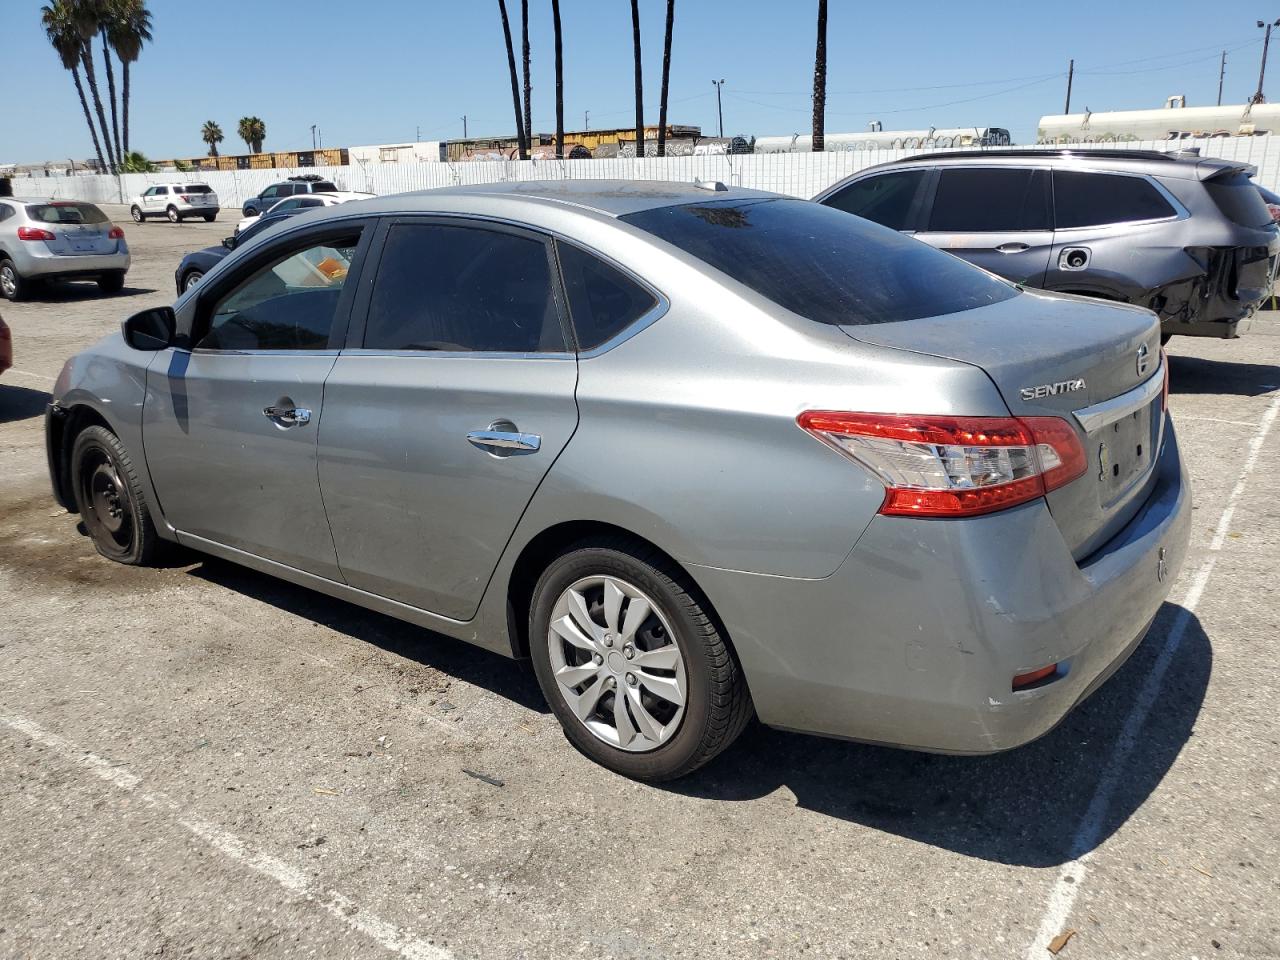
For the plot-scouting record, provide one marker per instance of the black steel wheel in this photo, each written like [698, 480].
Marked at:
[109, 498]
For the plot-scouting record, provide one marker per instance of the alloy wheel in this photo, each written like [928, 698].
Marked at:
[192, 279]
[617, 663]
[8, 281]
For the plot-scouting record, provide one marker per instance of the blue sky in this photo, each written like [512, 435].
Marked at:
[376, 71]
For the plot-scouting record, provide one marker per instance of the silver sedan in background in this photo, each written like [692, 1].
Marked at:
[700, 453]
[49, 240]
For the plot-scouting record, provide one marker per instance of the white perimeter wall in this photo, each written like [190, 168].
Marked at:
[796, 174]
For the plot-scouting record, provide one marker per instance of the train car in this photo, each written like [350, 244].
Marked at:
[879, 139]
[1174, 121]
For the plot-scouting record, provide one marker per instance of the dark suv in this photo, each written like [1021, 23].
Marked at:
[1190, 238]
[307, 183]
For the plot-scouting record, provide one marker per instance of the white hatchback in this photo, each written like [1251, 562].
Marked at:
[177, 201]
[303, 200]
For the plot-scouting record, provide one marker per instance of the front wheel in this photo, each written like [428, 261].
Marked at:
[632, 663]
[191, 279]
[136, 213]
[109, 498]
[173, 215]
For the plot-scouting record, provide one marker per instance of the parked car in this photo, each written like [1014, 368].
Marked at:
[306, 183]
[1188, 237]
[876, 493]
[50, 240]
[6, 346]
[176, 201]
[199, 262]
[306, 202]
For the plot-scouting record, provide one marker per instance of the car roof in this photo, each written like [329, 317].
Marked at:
[1180, 164]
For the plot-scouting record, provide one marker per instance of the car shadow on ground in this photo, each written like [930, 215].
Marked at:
[68, 291]
[463, 661]
[1200, 375]
[20, 403]
[1022, 807]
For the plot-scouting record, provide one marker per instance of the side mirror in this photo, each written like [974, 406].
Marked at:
[229, 243]
[153, 329]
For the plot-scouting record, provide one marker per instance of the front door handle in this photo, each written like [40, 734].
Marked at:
[1012, 248]
[504, 440]
[287, 416]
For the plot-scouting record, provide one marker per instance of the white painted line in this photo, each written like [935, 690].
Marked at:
[28, 373]
[1234, 423]
[385, 934]
[1088, 833]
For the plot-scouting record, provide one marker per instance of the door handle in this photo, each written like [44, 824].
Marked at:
[1012, 248]
[285, 416]
[504, 440]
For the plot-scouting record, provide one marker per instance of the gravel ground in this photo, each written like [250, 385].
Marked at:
[200, 761]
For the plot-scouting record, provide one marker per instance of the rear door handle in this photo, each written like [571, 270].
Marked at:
[504, 440]
[1012, 248]
[287, 416]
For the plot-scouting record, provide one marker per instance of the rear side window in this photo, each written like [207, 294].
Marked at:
[66, 213]
[1094, 199]
[990, 200]
[1239, 200]
[886, 198]
[822, 263]
[454, 288]
[603, 301]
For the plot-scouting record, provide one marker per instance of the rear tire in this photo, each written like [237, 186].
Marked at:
[173, 215]
[210, 217]
[676, 651]
[111, 282]
[109, 498]
[137, 214]
[12, 285]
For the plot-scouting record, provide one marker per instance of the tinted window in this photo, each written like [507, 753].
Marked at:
[311, 202]
[270, 192]
[989, 200]
[5, 211]
[886, 198]
[66, 212]
[603, 301]
[1091, 199]
[162, 190]
[822, 263]
[287, 305]
[443, 287]
[1239, 200]
[323, 186]
[196, 188]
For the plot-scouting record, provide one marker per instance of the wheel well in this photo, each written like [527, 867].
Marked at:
[549, 544]
[78, 418]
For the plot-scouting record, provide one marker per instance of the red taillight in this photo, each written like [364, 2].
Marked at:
[1023, 680]
[1164, 390]
[935, 466]
[34, 233]
[115, 233]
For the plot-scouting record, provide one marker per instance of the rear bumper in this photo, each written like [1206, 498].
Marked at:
[915, 640]
[52, 266]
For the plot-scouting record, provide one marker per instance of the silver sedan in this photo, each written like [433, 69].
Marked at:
[701, 454]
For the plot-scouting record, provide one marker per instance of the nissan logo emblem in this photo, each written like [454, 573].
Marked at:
[1143, 354]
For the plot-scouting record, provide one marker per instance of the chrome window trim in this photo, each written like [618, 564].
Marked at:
[641, 323]
[456, 354]
[1107, 412]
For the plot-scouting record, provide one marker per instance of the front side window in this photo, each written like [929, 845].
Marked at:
[270, 193]
[990, 200]
[288, 304]
[821, 263]
[1093, 199]
[603, 301]
[455, 288]
[886, 198]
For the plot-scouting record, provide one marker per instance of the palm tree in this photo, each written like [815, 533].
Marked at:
[820, 81]
[666, 76]
[555, 17]
[128, 29]
[136, 163]
[528, 93]
[211, 134]
[65, 38]
[635, 43]
[252, 131]
[87, 15]
[111, 80]
[515, 82]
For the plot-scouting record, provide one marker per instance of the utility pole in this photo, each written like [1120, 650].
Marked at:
[586, 121]
[1222, 72]
[464, 126]
[1262, 70]
[417, 136]
[313, 136]
[719, 109]
[1071, 72]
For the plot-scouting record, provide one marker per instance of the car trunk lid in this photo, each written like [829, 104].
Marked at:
[1094, 364]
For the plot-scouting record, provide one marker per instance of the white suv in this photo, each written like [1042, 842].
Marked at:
[177, 201]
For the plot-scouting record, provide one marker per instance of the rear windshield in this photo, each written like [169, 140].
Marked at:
[1239, 200]
[66, 213]
[195, 188]
[823, 264]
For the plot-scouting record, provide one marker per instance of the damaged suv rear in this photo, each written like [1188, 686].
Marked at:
[1186, 236]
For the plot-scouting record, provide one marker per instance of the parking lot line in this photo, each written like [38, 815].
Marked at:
[386, 934]
[28, 373]
[1072, 874]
